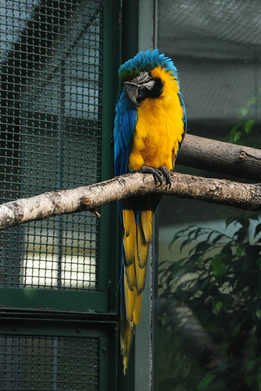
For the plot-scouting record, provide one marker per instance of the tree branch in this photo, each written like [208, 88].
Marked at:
[218, 156]
[242, 195]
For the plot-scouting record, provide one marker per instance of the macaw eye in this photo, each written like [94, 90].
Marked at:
[142, 77]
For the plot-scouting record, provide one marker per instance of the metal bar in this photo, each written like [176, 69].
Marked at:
[48, 328]
[60, 130]
[108, 230]
[47, 299]
[55, 363]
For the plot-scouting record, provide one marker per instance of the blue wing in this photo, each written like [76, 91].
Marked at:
[184, 110]
[124, 127]
[181, 99]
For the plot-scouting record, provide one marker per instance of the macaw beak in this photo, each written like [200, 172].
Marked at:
[132, 91]
[139, 88]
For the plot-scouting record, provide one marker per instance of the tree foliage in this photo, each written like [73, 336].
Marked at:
[246, 120]
[210, 310]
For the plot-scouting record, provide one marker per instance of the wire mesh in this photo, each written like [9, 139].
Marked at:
[216, 47]
[49, 363]
[51, 85]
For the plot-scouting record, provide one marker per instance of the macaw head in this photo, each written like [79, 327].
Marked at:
[145, 75]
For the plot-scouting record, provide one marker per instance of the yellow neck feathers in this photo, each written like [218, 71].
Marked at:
[159, 126]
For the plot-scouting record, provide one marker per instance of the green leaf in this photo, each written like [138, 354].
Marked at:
[233, 131]
[249, 125]
[258, 314]
[217, 307]
[243, 111]
[164, 320]
[220, 257]
[250, 364]
[200, 262]
[237, 136]
[239, 251]
[251, 101]
[205, 381]
[238, 328]
[218, 266]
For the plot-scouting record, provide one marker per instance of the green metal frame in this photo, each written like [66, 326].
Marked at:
[108, 226]
[51, 300]
[104, 331]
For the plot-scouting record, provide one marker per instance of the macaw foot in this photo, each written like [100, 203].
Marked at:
[166, 174]
[158, 174]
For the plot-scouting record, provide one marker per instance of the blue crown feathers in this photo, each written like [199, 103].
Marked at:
[146, 61]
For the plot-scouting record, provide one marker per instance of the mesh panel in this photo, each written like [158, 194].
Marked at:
[51, 75]
[210, 29]
[216, 47]
[48, 363]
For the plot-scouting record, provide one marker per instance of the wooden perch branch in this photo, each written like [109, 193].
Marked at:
[246, 196]
[218, 156]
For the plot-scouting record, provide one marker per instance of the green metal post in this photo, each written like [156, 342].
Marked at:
[108, 222]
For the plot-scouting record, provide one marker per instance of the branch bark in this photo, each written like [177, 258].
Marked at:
[218, 156]
[242, 195]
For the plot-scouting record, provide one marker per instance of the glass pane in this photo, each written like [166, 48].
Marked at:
[208, 329]
[51, 100]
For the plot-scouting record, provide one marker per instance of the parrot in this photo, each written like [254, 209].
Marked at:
[149, 127]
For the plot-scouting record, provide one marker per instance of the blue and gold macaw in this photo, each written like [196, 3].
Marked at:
[149, 127]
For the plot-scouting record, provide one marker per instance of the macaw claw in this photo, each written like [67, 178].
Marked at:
[158, 174]
[166, 174]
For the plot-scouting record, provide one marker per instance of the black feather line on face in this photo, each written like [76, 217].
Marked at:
[142, 87]
[152, 93]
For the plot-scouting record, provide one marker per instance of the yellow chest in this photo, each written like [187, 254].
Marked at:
[159, 128]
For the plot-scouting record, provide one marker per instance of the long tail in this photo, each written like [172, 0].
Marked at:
[137, 216]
